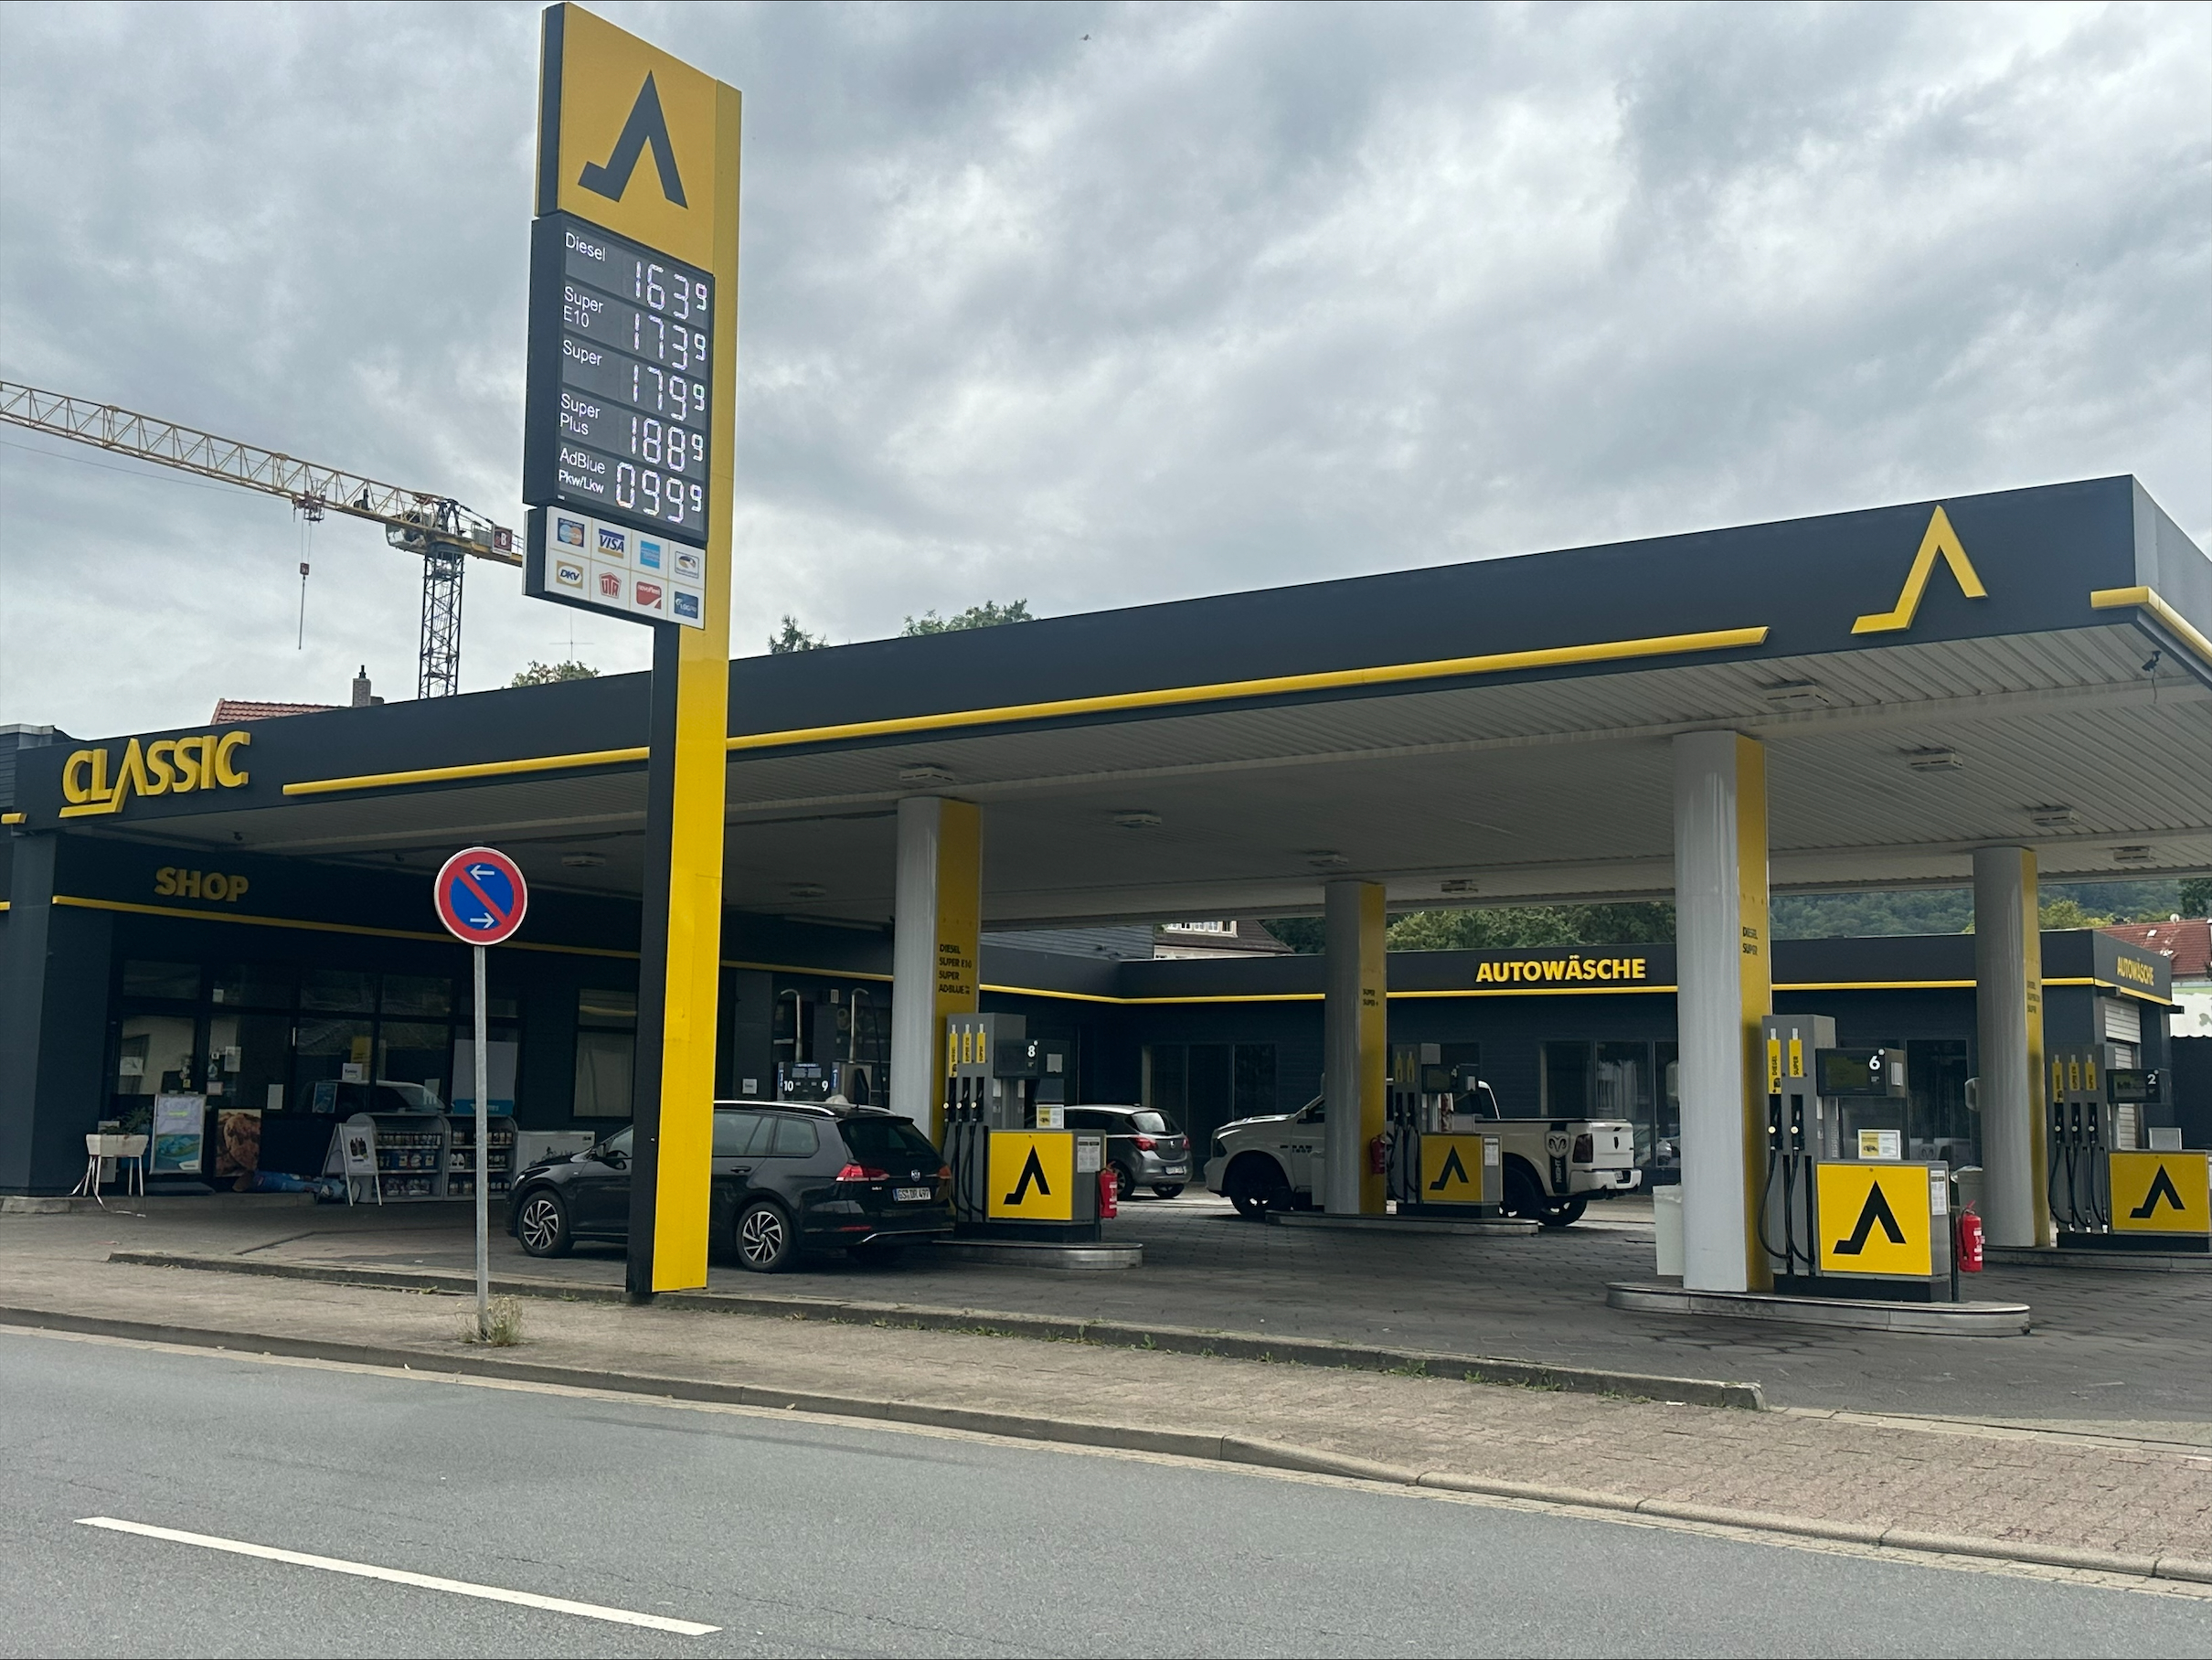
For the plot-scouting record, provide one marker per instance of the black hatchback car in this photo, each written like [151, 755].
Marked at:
[786, 1178]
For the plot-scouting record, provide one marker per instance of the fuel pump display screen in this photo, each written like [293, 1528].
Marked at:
[1854, 1071]
[621, 380]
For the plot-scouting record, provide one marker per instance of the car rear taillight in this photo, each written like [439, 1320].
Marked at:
[1145, 1143]
[944, 1173]
[863, 1172]
[1585, 1149]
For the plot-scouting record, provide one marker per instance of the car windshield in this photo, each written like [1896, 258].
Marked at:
[1154, 1123]
[882, 1140]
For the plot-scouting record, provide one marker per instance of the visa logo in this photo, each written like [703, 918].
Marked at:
[569, 531]
[614, 542]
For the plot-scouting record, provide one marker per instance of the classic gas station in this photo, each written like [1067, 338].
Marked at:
[744, 868]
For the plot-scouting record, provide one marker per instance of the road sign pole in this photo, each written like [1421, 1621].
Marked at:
[484, 1159]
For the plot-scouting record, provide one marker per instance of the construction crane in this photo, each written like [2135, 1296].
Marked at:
[439, 530]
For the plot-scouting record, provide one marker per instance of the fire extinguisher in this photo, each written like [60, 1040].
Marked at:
[1969, 1241]
[1110, 1198]
[1378, 1155]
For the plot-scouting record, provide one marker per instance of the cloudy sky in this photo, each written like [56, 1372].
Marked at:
[1091, 305]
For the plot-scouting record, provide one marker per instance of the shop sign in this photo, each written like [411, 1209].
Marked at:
[1556, 969]
[93, 782]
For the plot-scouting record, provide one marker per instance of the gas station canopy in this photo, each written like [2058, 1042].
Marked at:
[2030, 667]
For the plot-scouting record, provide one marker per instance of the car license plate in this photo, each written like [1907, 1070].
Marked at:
[1175, 1170]
[901, 1195]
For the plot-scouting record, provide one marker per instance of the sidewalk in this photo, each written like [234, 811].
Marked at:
[2133, 1491]
[2109, 1347]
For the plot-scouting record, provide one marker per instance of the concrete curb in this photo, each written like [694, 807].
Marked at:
[2137, 1261]
[1109, 1333]
[1183, 1444]
[1918, 1319]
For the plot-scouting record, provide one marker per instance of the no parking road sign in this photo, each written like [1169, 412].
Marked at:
[481, 896]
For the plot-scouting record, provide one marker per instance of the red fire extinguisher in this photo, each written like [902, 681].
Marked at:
[1110, 1198]
[1378, 1155]
[1969, 1241]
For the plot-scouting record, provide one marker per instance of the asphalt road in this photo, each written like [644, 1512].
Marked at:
[802, 1536]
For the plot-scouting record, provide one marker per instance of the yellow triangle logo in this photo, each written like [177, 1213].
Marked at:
[1941, 539]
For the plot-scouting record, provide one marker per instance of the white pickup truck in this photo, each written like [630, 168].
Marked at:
[1553, 1167]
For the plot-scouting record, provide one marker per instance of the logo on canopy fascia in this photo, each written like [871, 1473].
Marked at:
[167, 766]
[1942, 539]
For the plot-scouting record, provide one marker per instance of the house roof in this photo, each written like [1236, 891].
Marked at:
[2187, 943]
[228, 711]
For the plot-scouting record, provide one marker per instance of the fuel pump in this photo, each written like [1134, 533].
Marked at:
[1430, 1166]
[1844, 1213]
[1801, 1131]
[1009, 1177]
[2083, 1132]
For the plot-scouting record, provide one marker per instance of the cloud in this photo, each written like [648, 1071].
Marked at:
[1218, 298]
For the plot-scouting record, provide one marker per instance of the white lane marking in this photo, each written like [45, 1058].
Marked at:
[399, 1576]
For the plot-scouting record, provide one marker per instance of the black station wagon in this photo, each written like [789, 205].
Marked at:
[787, 1177]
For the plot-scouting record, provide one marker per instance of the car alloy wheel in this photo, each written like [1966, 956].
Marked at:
[764, 1242]
[542, 1226]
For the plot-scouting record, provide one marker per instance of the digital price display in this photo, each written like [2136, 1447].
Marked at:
[621, 380]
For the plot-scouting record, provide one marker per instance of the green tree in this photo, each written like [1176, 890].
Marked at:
[2196, 897]
[2066, 912]
[989, 614]
[545, 673]
[790, 637]
[1500, 926]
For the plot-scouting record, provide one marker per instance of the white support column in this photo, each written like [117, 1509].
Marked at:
[1725, 986]
[2009, 1018]
[1354, 1045]
[937, 917]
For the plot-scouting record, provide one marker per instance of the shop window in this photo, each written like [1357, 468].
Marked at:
[1255, 1081]
[178, 981]
[606, 1051]
[416, 1051]
[1941, 1128]
[253, 985]
[499, 1005]
[156, 1055]
[1624, 1079]
[1165, 1082]
[328, 1051]
[248, 1059]
[1567, 1079]
[1666, 1062]
[339, 990]
[417, 996]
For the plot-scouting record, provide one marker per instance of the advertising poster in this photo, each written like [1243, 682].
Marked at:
[238, 1141]
[179, 1127]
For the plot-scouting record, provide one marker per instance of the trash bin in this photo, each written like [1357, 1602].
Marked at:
[1666, 1223]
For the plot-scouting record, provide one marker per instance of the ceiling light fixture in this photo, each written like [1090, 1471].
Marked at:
[583, 861]
[1325, 858]
[1933, 760]
[2054, 816]
[1797, 694]
[1460, 884]
[1137, 819]
[2136, 852]
[808, 891]
[927, 772]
